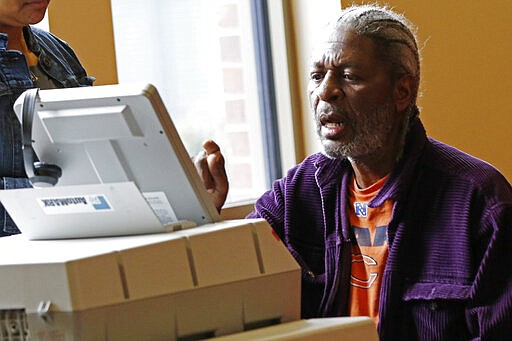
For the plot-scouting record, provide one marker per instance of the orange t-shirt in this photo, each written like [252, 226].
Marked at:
[370, 252]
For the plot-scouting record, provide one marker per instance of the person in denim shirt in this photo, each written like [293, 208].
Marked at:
[444, 261]
[29, 57]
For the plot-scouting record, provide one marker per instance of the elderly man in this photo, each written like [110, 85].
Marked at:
[387, 222]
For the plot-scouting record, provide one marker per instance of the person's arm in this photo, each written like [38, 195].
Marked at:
[14, 183]
[211, 168]
[9, 227]
[491, 311]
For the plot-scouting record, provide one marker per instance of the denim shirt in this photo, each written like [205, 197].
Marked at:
[448, 274]
[60, 63]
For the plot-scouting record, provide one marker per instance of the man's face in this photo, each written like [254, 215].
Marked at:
[19, 13]
[351, 95]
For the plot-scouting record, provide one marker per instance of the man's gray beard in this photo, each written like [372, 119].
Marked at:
[370, 135]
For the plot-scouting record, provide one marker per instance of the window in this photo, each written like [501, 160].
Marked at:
[201, 56]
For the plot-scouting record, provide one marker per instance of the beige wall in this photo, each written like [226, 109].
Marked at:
[466, 74]
[87, 27]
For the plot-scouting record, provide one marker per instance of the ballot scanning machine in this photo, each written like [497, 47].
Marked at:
[104, 158]
[120, 242]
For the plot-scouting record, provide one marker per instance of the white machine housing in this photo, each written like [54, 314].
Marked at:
[213, 280]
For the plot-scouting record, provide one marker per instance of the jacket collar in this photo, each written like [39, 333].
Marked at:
[404, 173]
[32, 43]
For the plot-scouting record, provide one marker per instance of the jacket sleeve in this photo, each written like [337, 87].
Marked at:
[9, 227]
[270, 206]
[490, 315]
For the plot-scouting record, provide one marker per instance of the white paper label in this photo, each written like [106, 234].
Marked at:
[75, 204]
[161, 206]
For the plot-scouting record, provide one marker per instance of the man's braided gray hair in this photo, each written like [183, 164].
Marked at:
[394, 37]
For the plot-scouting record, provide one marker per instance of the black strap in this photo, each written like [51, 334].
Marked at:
[28, 109]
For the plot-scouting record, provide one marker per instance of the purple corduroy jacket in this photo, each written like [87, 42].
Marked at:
[449, 269]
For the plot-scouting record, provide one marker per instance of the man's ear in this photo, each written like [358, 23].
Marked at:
[405, 90]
